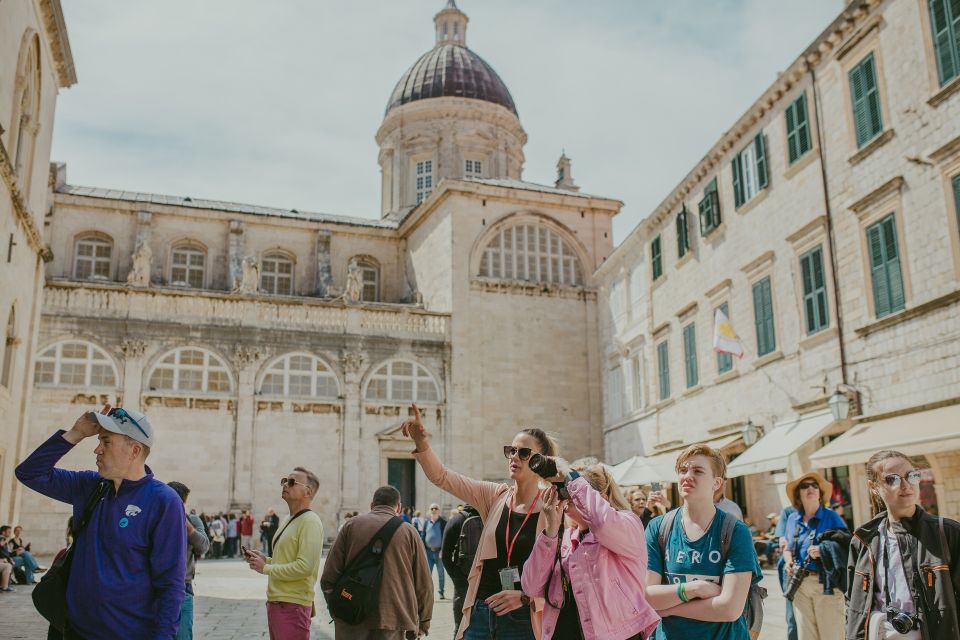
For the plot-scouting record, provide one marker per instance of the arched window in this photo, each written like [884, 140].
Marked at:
[300, 374]
[187, 264]
[370, 276]
[402, 381]
[75, 364]
[27, 114]
[190, 369]
[276, 274]
[533, 253]
[9, 349]
[92, 258]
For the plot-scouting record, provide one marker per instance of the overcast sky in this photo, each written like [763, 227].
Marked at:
[277, 103]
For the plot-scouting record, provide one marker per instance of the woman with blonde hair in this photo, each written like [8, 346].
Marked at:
[495, 605]
[904, 562]
[593, 573]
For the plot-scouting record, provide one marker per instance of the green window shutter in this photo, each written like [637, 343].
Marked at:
[881, 291]
[803, 125]
[736, 169]
[690, 354]
[894, 275]
[885, 272]
[663, 367]
[790, 118]
[945, 24]
[656, 258]
[798, 129]
[956, 196]
[710, 208]
[868, 121]
[814, 291]
[762, 177]
[763, 317]
[724, 360]
[683, 238]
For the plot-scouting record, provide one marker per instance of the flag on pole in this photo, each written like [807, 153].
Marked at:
[725, 339]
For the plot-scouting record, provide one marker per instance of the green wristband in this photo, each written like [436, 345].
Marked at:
[682, 592]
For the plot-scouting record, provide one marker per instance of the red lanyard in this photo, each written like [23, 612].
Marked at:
[509, 514]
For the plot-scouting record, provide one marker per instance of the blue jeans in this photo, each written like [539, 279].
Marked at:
[791, 620]
[26, 562]
[433, 558]
[487, 625]
[185, 630]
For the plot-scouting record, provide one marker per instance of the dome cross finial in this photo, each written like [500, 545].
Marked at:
[451, 25]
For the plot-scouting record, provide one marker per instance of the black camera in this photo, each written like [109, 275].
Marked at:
[542, 466]
[902, 622]
[794, 584]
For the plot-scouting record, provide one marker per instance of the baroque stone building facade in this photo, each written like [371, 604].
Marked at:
[824, 224]
[258, 339]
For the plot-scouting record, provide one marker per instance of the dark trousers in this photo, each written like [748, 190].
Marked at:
[459, 597]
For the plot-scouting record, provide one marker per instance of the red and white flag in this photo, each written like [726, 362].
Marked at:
[725, 339]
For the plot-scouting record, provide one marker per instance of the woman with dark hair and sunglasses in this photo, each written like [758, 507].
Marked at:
[904, 572]
[495, 605]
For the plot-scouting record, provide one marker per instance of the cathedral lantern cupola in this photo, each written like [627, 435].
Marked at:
[450, 116]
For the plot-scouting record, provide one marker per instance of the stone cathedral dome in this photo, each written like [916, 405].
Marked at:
[450, 69]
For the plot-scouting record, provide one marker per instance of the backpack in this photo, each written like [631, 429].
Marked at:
[356, 592]
[753, 609]
[465, 549]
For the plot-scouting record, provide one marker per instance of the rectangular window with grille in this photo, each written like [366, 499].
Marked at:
[683, 234]
[424, 179]
[749, 169]
[663, 370]
[865, 96]
[656, 258]
[884, 250]
[815, 310]
[945, 24]
[709, 209]
[798, 129]
[473, 169]
[763, 317]
[724, 360]
[690, 355]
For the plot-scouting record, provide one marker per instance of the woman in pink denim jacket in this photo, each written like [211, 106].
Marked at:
[597, 588]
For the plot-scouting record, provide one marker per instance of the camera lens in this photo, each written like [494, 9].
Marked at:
[900, 621]
[542, 466]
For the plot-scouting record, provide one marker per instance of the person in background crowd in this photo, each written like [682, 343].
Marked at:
[419, 523]
[274, 527]
[817, 607]
[135, 543]
[18, 538]
[246, 530]
[233, 535]
[6, 571]
[906, 561]
[511, 520]
[407, 515]
[197, 545]
[768, 543]
[217, 538]
[648, 506]
[726, 504]
[592, 575]
[346, 519]
[292, 570]
[784, 578]
[697, 591]
[433, 539]
[458, 551]
[405, 599]
[24, 564]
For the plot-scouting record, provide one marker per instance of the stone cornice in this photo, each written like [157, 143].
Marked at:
[881, 193]
[56, 28]
[20, 210]
[450, 109]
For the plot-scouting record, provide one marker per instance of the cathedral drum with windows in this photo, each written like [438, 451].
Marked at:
[471, 295]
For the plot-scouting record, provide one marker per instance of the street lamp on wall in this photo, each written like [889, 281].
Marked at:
[839, 405]
[751, 433]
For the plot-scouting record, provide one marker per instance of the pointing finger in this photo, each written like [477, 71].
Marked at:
[416, 412]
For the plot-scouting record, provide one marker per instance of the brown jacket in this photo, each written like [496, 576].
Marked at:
[489, 498]
[406, 592]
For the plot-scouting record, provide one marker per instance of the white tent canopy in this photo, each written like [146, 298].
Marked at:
[639, 470]
[772, 450]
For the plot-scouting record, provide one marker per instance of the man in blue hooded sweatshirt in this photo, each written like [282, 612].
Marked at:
[127, 576]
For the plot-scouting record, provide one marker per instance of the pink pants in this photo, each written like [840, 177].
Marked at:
[288, 621]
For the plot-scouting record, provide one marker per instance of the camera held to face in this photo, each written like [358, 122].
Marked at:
[542, 466]
[901, 621]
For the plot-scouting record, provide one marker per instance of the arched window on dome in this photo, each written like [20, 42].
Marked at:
[74, 363]
[276, 274]
[402, 381]
[189, 369]
[188, 265]
[532, 253]
[300, 374]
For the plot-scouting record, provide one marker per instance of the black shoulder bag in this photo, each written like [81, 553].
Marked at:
[356, 592]
[50, 594]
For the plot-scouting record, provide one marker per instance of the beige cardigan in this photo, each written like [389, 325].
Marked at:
[489, 498]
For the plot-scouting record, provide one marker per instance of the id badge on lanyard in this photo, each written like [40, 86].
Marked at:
[509, 577]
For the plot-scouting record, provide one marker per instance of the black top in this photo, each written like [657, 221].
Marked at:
[490, 578]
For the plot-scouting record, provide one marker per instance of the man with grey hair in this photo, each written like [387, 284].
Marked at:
[127, 572]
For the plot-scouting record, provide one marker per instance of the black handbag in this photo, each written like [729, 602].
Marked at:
[50, 594]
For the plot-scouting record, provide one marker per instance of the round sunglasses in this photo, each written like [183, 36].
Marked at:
[291, 483]
[523, 452]
[893, 480]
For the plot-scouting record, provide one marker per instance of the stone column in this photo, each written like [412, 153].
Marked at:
[324, 269]
[246, 360]
[133, 351]
[236, 247]
[351, 360]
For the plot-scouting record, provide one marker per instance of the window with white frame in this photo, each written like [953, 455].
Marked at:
[749, 169]
[9, 349]
[473, 169]
[276, 274]
[636, 382]
[615, 394]
[370, 277]
[618, 308]
[300, 374]
[533, 253]
[424, 179]
[74, 364]
[636, 287]
[187, 264]
[402, 381]
[188, 369]
[93, 257]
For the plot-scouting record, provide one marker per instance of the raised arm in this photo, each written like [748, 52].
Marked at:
[619, 531]
[479, 493]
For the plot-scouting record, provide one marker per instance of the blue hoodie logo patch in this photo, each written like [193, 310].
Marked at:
[123, 523]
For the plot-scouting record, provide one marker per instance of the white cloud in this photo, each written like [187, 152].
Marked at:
[277, 103]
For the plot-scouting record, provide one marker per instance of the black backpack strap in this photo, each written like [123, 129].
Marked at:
[666, 526]
[383, 536]
[88, 508]
[727, 525]
[943, 541]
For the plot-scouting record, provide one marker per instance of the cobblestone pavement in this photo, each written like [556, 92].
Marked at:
[230, 606]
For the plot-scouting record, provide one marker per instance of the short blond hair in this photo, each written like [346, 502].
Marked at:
[717, 463]
[598, 477]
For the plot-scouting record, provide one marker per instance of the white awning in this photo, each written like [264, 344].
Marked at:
[639, 470]
[913, 434]
[772, 450]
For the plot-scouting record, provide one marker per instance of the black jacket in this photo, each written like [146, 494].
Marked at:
[931, 555]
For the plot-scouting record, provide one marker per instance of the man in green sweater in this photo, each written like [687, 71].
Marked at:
[292, 570]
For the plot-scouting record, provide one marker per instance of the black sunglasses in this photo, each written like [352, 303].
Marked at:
[808, 485]
[523, 452]
[291, 483]
[121, 413]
